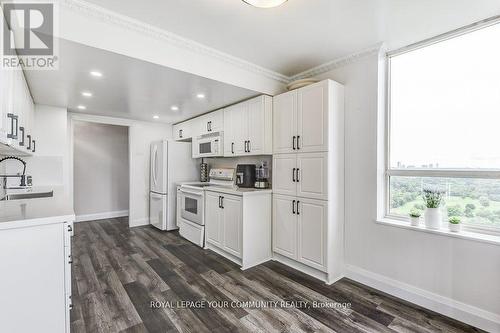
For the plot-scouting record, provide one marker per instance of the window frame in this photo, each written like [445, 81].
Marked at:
[417, 172]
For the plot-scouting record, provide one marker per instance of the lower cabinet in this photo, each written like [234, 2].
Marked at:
[300, 229]
[238, 227]
[35, 284]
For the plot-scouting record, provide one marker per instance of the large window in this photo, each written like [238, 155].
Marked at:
[444, 126]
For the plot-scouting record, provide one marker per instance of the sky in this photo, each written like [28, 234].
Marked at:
[445, 103]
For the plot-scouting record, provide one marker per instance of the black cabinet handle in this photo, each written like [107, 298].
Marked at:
[298, 213]
[13, 129]
[222, 203]
[298, 142]
[70, 261]
[297, 176]
[246, 146]
[293, 207]
[34, 146]
[22, 136]
[180, 133]
[249, 150]
[29, 142]
[220, 198]
[232, 147]
[210, 125]
[293, 142]
[70, 228]
[293, 175]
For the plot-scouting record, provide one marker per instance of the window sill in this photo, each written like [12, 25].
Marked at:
[484, 238]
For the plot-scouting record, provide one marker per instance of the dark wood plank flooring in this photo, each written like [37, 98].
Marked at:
[118, 272]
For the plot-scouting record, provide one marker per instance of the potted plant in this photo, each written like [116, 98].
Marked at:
[415, 217]
[454, 223]
[433, 199]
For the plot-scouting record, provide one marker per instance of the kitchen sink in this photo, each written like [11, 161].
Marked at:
[28, 195]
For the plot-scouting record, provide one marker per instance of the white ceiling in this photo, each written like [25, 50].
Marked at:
[304, 33]
[129, 88]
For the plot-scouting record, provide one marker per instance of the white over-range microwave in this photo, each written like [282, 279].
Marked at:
[208, 145]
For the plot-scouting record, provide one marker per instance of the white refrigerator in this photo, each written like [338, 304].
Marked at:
[171, 163]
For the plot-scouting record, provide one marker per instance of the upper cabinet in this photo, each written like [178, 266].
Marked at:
[301, 119]
[16, 114]
[248, 127]
[210, 122]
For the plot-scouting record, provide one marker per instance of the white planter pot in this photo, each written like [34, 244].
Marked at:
[454, 227]
[433, 218]
[415, 221]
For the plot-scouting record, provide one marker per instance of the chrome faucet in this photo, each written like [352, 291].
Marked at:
[23, 176]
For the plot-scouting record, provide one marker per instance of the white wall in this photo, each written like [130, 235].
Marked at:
[141, 134]
[460, 270]
[101, 172]
[50, 165]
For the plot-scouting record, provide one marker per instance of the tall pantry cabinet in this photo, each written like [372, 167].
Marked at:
[308, 179]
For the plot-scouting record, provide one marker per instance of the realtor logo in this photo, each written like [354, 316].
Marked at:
[28, 35]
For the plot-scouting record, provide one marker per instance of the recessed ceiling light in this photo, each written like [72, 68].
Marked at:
[96, 74]
[86, 94]
[265, 3]
[156, 117]
[174, 108]
[81, 107]
[200, 95]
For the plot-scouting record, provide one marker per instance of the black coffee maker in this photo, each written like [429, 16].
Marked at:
[245, 175]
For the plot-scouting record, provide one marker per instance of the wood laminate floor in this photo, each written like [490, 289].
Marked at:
[118, 272]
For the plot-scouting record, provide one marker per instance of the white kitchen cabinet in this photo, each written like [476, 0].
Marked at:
[16, 113]
[213, 219]
[312, 118]
[300, 229]
[238, 225]
[284, 178]
[285, 122]
[284, 226]
[235, 130]
[312, 217]
[210, 123]
[248, 127]
[36, 266]
[301, 119]
[308, 179]
[186, 130]
[302, 175]
[231, 222]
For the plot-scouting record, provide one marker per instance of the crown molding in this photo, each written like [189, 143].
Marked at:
[100, 13]
[90, 10]
[339, 62]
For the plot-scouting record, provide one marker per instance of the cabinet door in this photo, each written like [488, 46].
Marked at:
[312, 120]
[228, 132]
[239, 128]
[284, 226]
[216, 121]
[284, 172]
[232, 217]
[312, 228]
[213, 219]
[256, 125]
[284, 122]
[312, 175]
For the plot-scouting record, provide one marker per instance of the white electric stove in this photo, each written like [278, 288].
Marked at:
[191, 219]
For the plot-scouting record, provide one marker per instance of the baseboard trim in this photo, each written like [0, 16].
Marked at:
[101, 216]
[468, 314]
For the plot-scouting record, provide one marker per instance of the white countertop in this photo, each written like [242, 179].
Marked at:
[238, 191]
[31, 212]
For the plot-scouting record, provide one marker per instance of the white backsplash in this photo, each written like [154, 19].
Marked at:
[232, 162]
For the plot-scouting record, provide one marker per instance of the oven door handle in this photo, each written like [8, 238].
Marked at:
[192, 193]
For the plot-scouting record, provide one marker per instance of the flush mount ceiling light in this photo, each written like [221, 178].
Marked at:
[200, 95]
[86, 94]
[265, 3]
[81, 107]
[156, 117]
[96, 74]
[174, 108]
